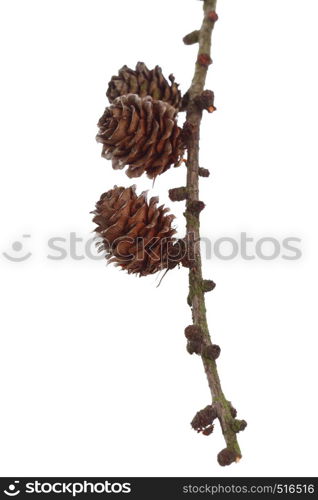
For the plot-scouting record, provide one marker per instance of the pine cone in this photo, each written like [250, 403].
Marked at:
[136, 234]
[143, 81]
[142, 133]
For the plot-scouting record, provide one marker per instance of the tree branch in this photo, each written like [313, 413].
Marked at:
[196, 299]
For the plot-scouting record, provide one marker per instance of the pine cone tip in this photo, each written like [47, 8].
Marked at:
[144, 82]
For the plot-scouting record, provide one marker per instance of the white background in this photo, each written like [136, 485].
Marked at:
[95, 379]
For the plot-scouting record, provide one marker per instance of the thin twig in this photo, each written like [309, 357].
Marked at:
[196, 299]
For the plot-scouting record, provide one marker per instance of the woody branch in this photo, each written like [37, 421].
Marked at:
[199, 339]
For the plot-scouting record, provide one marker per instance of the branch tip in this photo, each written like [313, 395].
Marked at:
[227, 457]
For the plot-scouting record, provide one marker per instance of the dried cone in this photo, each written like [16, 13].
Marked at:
[135, 234]
[143, 81]
[142, 133]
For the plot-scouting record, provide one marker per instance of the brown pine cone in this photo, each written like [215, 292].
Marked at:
[142, 133]
[136, 234]
[143, 81]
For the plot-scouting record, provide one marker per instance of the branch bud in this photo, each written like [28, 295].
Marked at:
[203, 419]
[204, 60]
[194, 347]
[208, 430]
[232, 410]
[178, 194]
[206, 101]
[195, 207]
[208, 285]
[227, 457]
[213, 16]
[187, 133]
[211, 352]
[191, 38]
[239, 425]
[193, 332]
[204, 172]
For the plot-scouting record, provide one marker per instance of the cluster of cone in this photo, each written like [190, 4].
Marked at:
[139, 130]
